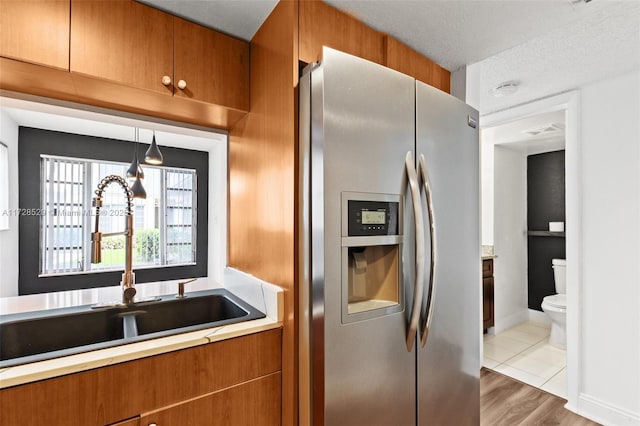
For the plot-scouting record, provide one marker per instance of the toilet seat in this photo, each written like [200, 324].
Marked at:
[558, 301]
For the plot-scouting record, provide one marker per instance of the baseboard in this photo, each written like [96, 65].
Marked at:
[604, 413]
[504, 323]
[537, 316]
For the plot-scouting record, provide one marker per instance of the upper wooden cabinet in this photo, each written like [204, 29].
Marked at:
[323, 25]
[35, 31]
[402, 58]
[214, 66]
[133, 44]
[122, 41]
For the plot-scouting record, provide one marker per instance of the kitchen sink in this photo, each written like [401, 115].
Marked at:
[187, 313]
[36, 336]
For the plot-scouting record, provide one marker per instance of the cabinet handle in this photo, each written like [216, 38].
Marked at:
[166, 80]
[182, 84]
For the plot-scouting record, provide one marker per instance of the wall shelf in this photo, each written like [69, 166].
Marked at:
[545, 234]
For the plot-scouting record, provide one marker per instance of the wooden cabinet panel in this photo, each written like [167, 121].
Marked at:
[321, 24]
[255, 403]
[123, 391]
[401, 57]
[262, 179]
[35, 31]
[122, 41]
[214, 66]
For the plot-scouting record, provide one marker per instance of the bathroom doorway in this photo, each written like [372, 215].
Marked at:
[518, 343]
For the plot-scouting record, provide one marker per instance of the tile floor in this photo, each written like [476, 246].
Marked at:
[523, 352]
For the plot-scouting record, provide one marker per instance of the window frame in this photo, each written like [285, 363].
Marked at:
[35, 142]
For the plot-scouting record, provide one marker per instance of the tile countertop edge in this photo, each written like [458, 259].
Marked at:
[264, 296]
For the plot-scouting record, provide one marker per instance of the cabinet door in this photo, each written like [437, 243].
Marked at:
[324, 25]
[401, 57]
[214, 66]
[256, 403]
[35, 31]
[122, 41]
[487, 303]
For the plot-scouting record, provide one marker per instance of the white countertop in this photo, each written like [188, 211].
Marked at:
[266, 297]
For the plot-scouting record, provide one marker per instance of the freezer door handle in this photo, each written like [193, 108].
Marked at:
[418, 286]
[424, 182]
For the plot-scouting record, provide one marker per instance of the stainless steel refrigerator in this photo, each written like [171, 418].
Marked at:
[389, 250]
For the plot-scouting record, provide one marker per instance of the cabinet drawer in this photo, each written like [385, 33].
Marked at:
[487, 267]
[256, 402]
[122, 391]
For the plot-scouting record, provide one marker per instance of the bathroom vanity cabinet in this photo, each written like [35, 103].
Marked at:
[230, 382]
[487, 294]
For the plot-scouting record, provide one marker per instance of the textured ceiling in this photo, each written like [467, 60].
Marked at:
[598, 46]
[548, 46]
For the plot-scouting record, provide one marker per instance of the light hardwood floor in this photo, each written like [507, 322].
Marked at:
[507, 402]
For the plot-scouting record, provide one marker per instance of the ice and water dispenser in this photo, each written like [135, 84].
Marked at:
[371, 255]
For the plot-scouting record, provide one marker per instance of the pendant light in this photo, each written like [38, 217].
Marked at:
[138, 190]
[135, 172]
[153, 154]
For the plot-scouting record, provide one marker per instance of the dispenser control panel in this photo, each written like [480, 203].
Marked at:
[372, 218]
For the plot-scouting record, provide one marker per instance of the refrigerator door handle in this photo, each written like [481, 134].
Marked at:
[424, 182]
[418, 286]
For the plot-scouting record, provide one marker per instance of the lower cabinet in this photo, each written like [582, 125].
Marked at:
[231, 382]
[255, 403]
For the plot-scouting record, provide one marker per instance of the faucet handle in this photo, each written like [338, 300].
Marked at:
[181, 284]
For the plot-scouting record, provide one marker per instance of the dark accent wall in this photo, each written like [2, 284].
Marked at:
[32, 143]
[545, 203]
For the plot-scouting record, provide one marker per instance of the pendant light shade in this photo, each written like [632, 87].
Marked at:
[132, 171]
[138, 189]
[153, 154]
[135, 172]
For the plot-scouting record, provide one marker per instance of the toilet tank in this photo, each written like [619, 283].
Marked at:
[560, 275]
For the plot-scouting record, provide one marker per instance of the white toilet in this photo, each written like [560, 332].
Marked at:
[555, 306]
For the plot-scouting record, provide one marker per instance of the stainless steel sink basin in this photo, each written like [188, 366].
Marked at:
[36, 336]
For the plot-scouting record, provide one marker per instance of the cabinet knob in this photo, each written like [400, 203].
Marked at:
[182, 84]
[166, 80]
[152, 424]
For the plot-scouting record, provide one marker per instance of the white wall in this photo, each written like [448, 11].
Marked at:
[487, 178]
[610, 289]
[9, 238]
[510, 239]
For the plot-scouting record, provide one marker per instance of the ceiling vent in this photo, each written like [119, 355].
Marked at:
[545, 130]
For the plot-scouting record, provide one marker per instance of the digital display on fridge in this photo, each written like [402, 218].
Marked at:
[374, 217]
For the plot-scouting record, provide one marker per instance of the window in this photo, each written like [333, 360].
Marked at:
[58, 174]
[164, 222]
